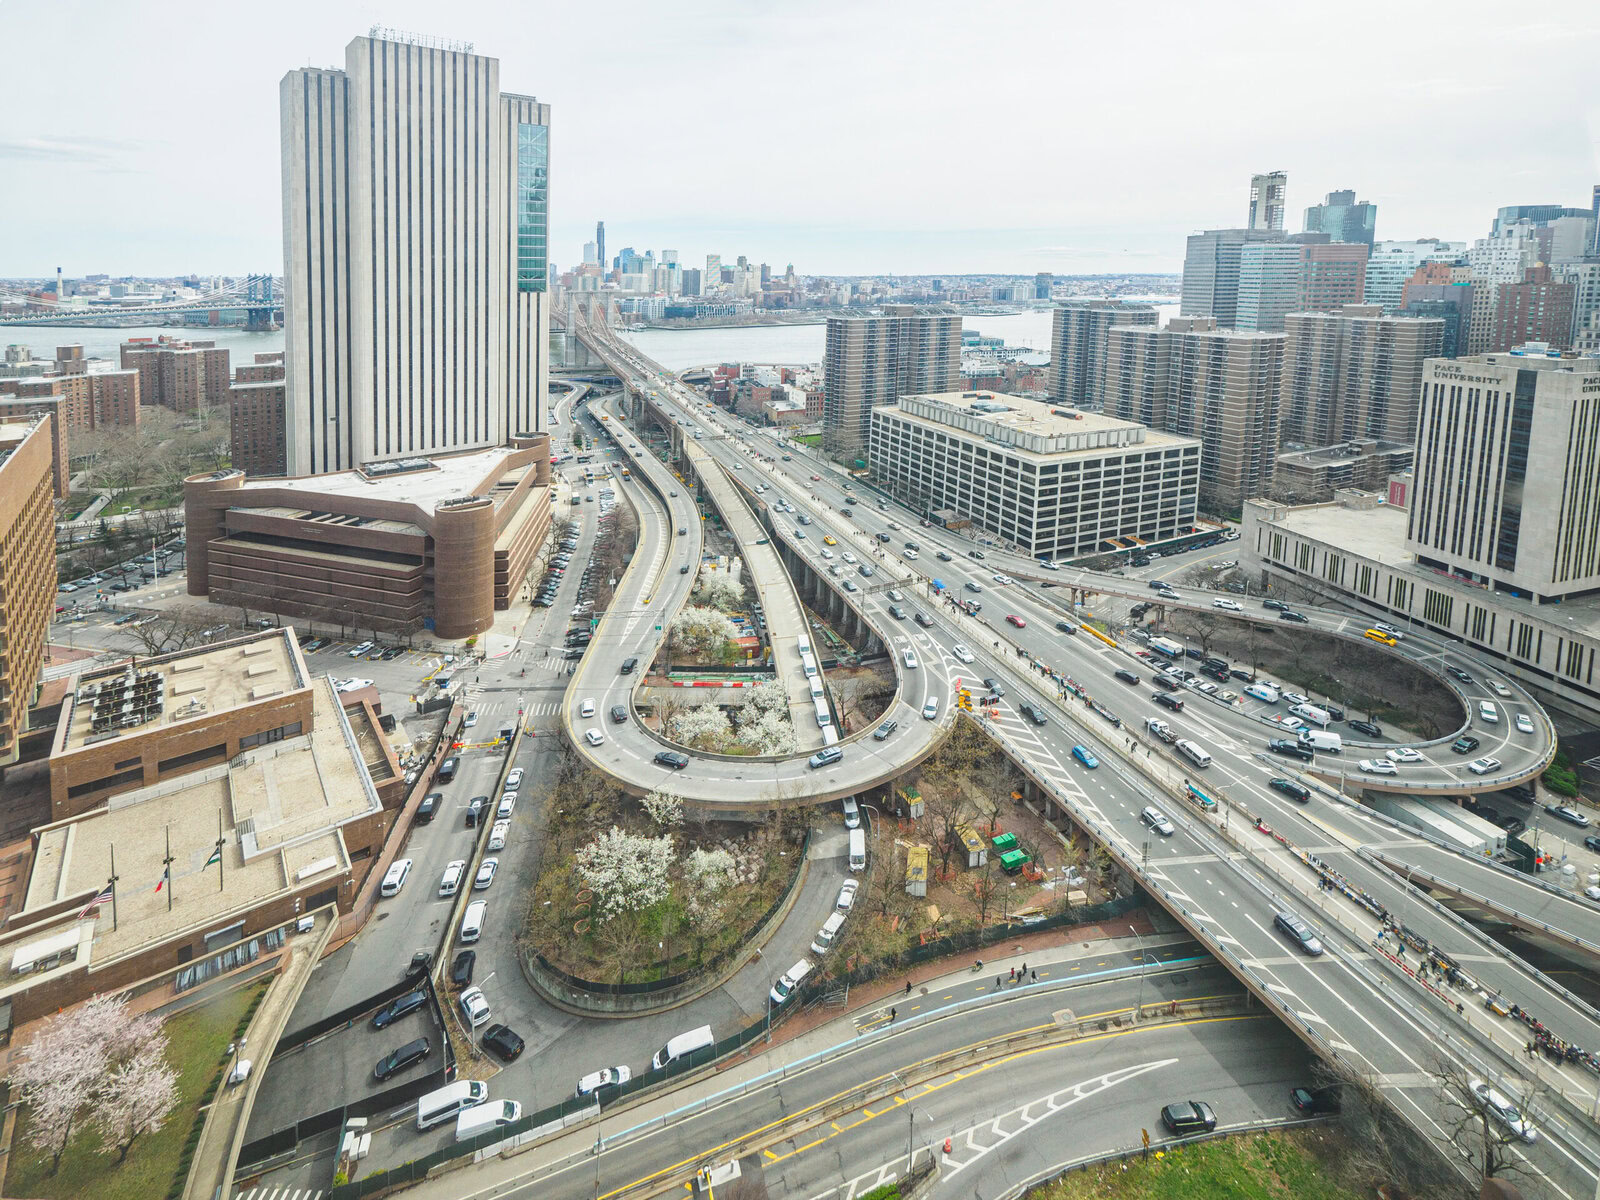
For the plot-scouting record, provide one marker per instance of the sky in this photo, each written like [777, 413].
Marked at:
[844, 136]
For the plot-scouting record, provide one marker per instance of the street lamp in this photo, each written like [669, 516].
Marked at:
[1140, 1006]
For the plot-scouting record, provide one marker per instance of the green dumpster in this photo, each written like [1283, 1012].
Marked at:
[1006, 841]
[1013, 861]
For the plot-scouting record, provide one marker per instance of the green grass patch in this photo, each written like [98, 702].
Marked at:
[197, 1043]
[809, 439]
[1297, 1164]
[1561, 777]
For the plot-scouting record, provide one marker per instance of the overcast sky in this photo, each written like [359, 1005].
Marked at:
[845, 136]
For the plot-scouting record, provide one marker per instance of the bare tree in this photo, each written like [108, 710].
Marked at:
[984, 889]
[621, 937]
[1485, 1126]
[168, 631]
[1202, 627]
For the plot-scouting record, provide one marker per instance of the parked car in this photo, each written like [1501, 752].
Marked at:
[1565, 812]
[1370, 728]
[503, 1042]
[400, 1006]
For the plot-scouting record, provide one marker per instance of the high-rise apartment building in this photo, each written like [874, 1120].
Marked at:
[874, 360]
[1078, 346]
[27, 567]
[1585, 280]
[1211, 272]
[415, 255]
[1507, 472]
[1219, 385]
[182, 375]
[712, 279]
[600, 247]
[1536, 308]
[1354, 374]
[1343, 218]
[256, 428]
[1267, 193]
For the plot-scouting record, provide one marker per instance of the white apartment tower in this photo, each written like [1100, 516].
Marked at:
[415, 207]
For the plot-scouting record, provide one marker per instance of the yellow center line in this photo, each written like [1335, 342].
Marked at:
[954, 1078]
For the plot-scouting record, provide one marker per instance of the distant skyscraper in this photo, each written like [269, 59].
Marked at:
[415, 255]
[1342, 218]
[1211, 272]
[1043, 281]
[875, 360]
[600, 246]
[1267, 194]
[1277, 278]
[1391, 265]
[591, 253]
[712, 279]
[1078, 346]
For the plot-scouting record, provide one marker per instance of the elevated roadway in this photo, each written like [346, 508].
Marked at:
[1227, 885]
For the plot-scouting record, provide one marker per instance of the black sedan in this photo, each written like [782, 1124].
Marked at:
[1370, 728]
[503, 1042]
[461, 970]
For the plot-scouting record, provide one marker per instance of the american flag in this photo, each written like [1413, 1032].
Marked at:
[104, 895]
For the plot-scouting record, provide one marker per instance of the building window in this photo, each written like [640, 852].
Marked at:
[532, 207]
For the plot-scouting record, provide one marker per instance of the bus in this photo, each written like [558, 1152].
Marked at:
[625, 472]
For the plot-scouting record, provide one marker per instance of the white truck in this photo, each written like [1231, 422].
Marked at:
[1160, 730]
[1167, 646]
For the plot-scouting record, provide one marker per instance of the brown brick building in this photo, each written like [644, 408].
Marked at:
[234, 753]
[88, 400]
[256, 429]
[15, 411]
[27, 567]
[396, 545]
[181, 375]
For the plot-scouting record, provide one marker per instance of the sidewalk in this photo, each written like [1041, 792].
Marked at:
[806, 1034]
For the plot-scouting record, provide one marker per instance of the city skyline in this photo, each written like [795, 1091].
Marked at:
[114, 186]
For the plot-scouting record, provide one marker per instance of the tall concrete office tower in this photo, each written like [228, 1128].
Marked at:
[600, 246]
[1266, 200]
[1078, 346]
[415, 254]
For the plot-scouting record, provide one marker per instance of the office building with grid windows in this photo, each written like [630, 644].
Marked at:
[1053, 485]
[415, 255]
[869, 361]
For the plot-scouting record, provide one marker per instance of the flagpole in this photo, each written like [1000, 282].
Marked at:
[221, 867]
[113, 850]
[167, 872]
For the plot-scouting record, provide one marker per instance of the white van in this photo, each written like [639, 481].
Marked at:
[684, 1043]
[1488, 713]
[804, 644]
[444, 1104]
[485, 1117]
[395, 878]
[824, 717]
[808, 665]
[1319, 739]
[789, 980]
[1193, 752]
[816, 687]
[858, 850]
[829, 931]
[451, 883]
[1317, 716]
[472, 922]
[1264, 691]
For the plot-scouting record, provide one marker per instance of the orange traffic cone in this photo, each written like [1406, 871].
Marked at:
[947, 1145]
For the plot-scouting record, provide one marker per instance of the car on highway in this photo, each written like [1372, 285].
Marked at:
[486, 873]
[909, 657]
[594, 737]
[1370, 728]
[586, 709]
[1465, 744]
[930, 710]
[606, 1077]
[943, 556]
[829, 540]
[1085, 756]
[826, 756]
[1013, 619]
[1404, 754]
[498, 833]
[1297, 618]
[619, 714]
[1300, 931]
[882, 732]
[1312, 1101]
[994, 686]
[1524, 723]
[1564, 812]
[1157, 820]
[1275, 605]
[896, 595]
[450, 881]
[848, 557]
[1033, 712]
[1291, 789]
[502, 1041]
[1290, 749]
[1592, 843]
[1459, 675]
[1379, 766]
[898, 613]
[962, 652]
[514, 779]
[1189, 1117]
[671, 758]
[1223, 602]
[1502, 1109]
[1002, 579]
[974, 587]
[395, 877]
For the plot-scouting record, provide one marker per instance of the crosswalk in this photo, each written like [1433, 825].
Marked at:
[281, 1193]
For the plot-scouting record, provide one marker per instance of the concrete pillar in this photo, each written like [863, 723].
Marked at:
[463, 566]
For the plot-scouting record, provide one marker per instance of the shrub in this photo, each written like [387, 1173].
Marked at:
[1560, 776]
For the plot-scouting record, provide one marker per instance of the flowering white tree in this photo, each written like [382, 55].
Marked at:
[770, 696]
[707, 876]
[703, 630]
[664, 808]
[625, 871]
[136, 1099]
[74, 1064]
[721, 590]
[770, 733]
[705, 728]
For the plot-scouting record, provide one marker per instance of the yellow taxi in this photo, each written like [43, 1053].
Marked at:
[830, 540]
[1378, 635]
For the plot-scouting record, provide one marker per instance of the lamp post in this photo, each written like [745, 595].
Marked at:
[1139, 1008]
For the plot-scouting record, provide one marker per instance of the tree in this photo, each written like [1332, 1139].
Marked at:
[622, 937]
[1202, 627]
[705, 728]
[772, 733]
[626, 872]
[136, 1099]
[663, 807]
[720, 590]
[947, 811]
[168, 631]
[703, 631]
[708, 876]
[985, 887]
[1486, 1145]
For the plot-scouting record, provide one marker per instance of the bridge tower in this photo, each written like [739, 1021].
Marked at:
[261, 307]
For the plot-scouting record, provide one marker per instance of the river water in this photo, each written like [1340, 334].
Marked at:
[104, 343]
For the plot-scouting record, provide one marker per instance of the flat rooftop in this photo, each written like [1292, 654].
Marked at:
[1030, 427]
[446, 477]
[161, 693]
[279, 808]
[1348, 452]
[1380, 534]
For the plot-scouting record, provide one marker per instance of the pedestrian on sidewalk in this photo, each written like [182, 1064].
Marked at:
[1034, 975]
[1013, 976]
[997, 983]
[908, 987]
